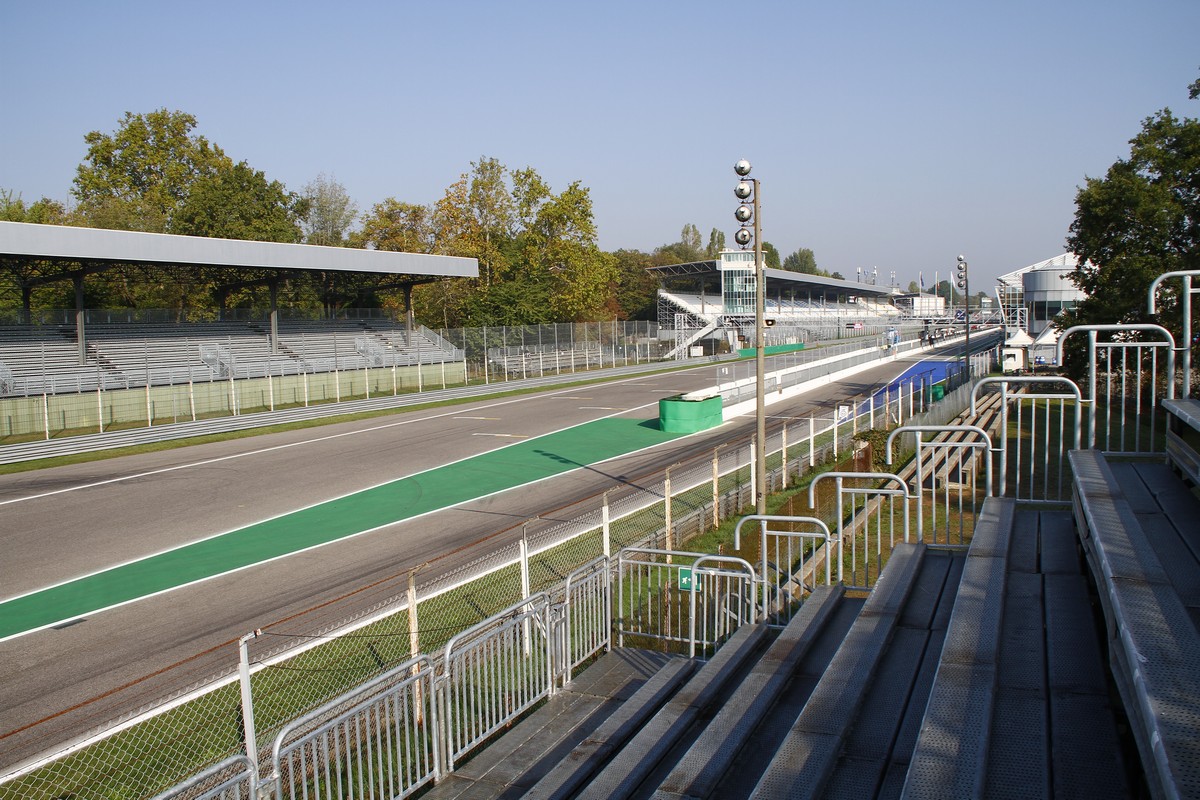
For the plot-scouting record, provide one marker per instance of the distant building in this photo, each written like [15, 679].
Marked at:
[1033, 296]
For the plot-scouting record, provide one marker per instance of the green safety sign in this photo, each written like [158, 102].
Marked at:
[685, 579]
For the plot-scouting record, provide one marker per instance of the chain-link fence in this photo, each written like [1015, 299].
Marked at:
[147, 374]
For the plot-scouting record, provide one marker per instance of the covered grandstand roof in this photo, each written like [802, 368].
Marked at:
[778, 278]
[97, 245]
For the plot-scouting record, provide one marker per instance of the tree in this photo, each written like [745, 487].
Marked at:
[716, 243]
[635, 290]
[1140, 220]
[690, 246]
[240, 203]
[913, 288]
[396, 226]
[560, 241]
[838, 276]
[44, 211]
[802, 260]
[139, 176]
[330, 212]
[491, 210]
[770, 256]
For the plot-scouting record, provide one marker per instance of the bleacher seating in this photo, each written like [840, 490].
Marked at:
[1148, 578]
[974, 674]
[125, 354]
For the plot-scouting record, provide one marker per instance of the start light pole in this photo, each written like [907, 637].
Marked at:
[749, 189]
[964, 284]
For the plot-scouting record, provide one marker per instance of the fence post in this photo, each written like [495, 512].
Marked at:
[753, 456]
[812, 451]
[248, 700]
[414, 643]
[100, 408]
[783, 434]
[715, 486]
[605, 528]
[667, 502]
[149, 413]
[527, 635]
[46, 414]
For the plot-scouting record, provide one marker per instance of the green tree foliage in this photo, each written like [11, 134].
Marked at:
[44, 211]
[329, 212]
[139, 176]
[1140, 220]
[238, 202]
[635, 293]
[490, 212]
[716, 243]
[771, 256]
[688, 248]
[803, 260]
[396, 226]
[913, 288]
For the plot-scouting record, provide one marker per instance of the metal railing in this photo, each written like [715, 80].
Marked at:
[494, 672]
[379, 740]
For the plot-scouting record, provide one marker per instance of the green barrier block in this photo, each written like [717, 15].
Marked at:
[937, 392]
[771, 350]
[680, 414]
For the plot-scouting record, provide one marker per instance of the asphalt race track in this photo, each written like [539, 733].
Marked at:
[78, 671]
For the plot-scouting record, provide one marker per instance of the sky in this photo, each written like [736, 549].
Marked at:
[888, 136]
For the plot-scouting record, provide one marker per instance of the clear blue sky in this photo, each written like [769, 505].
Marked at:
[889, 135]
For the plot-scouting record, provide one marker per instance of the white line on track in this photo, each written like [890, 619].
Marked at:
[601, 408]
[503, 435]
[207, 462]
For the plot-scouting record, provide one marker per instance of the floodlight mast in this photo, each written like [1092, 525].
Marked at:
[750, 188]
[965, 285]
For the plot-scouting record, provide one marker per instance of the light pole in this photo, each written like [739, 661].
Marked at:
[965, 285]
[749, 189]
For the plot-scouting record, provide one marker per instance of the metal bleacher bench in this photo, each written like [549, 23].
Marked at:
[1154, 646]
[1183, 436]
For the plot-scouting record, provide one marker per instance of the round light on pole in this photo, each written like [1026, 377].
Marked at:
[742, 167]
[743, 190]
[743, 214]
[742, 237]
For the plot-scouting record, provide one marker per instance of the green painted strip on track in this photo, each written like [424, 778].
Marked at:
[398, 500]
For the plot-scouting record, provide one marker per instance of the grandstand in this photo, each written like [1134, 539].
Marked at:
[73, 356]
[713, 302]
[121, 355]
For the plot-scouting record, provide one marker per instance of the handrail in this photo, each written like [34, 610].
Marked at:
[696, 569]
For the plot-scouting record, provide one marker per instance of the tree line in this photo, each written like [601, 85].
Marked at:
[539, 261]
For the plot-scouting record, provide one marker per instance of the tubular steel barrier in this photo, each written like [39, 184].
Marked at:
[787, 560]
[1125, 381]
[947, 463]
[494, 672]
[861, 518]
[720, 600]
[379, 740]
[586, 616]
[232, 779]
